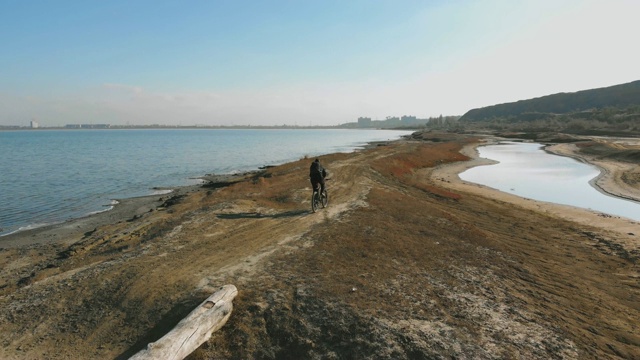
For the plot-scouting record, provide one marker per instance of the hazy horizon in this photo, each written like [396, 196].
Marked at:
[301, 63]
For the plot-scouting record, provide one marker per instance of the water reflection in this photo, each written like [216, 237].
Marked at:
[524, 169]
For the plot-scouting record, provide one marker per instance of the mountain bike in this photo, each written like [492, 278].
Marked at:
[319, 198]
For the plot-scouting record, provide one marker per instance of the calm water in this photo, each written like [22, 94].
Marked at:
[49, 176]
[524, 169]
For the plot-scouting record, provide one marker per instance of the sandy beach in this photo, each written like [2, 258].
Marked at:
[407, 261]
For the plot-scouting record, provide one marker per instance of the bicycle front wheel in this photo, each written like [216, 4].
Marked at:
[325, 198]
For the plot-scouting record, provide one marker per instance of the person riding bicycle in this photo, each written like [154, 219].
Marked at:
[317, 174]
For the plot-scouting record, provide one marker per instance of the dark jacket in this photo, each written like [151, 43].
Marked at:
[316, 171]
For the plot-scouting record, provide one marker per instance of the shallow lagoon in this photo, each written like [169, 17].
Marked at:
[526, 170]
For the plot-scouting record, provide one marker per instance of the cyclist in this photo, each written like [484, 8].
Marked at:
[317, 174]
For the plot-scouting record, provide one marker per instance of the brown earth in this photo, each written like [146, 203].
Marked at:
[405, 262]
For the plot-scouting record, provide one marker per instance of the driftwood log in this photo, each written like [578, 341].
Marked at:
[193, 330]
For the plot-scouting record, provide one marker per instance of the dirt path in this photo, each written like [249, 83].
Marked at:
[398, 266]
[137, 270]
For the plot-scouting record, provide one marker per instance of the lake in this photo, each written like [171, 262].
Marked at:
[526, 170]
[49, 176]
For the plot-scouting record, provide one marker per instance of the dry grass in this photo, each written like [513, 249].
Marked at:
[403, 166]
[395, 267]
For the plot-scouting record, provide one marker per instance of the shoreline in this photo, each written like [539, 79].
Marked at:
[448, 176]
[127, 208]
[57, 232]
[130, 208]
[607, 181]
[406, 260]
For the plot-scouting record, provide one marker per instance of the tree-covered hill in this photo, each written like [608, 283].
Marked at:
[617, 96]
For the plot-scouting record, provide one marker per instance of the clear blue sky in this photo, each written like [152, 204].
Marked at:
[301, 62]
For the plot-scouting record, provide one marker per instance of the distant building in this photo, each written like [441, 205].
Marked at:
[364, 122]
[34, 124]
[390, 122]
[408, 119]
[87, 126]
[96, 126]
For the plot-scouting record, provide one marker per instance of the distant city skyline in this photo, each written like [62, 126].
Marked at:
[301, 63]
[389, 122]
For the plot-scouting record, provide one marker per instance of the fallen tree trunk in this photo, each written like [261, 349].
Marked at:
[194, 329]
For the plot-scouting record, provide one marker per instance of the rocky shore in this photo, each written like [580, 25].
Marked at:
[407, 261]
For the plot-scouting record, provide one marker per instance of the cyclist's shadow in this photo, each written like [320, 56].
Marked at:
[258, 215]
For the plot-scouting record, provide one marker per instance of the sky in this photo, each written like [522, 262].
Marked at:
[304, 62]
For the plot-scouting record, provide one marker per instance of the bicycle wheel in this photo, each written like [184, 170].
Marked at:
[325, 198]
[314, 201]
